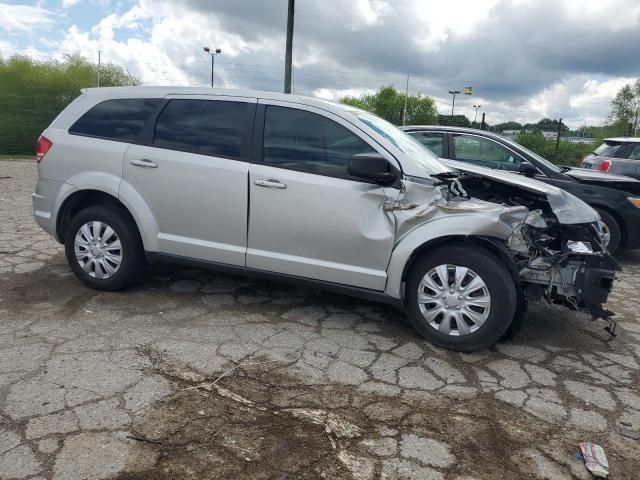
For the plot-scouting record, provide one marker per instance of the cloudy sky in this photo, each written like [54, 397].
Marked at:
[525, 59]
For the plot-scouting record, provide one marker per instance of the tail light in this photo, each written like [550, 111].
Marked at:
[604, 165]
[42, 147]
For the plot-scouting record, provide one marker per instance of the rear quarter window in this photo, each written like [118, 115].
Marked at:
[117, 119]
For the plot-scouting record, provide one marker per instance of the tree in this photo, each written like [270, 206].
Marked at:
[510, 125]
[625, 107]
[454, 120]
[568, 153]
[33, 93]
[546, 125]
[388, 103]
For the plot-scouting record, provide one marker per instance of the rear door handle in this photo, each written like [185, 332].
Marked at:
[143, 162]
[269, 183]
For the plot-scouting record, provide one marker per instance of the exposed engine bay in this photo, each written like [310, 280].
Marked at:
[564, 263]
[555, 241]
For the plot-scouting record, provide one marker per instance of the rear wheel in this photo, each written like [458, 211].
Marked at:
[103, 247]
[612, 231]
[460, 297]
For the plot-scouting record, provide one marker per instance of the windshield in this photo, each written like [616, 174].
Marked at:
[405, 143]
[544, 161]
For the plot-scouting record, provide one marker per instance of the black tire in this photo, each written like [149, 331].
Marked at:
[614, 230]
[499, 284]
[133, 259]
[517, 324]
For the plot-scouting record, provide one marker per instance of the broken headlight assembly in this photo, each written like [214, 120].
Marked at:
[578, 246]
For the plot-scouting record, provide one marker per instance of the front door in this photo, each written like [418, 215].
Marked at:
[308, 218]
[192, 174]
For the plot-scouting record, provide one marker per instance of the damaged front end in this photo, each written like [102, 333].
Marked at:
[555, 240]
[558, 247]
[564, 264]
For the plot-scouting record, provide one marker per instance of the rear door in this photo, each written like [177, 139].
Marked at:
[191, 171]
[308, 217]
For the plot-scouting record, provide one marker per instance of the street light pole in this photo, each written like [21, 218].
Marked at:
[213, 56]
[288, 54]
[453, 103]
[475, 118]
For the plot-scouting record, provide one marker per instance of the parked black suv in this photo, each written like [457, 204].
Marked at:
[615, 197]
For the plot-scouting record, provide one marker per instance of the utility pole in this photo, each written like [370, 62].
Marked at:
[406, 94]
[558, 138]
[483, 125]
[288, 56]
[130, 77]
[453, 104]
[98, 68]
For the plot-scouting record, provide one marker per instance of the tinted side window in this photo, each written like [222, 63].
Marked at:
[432, 140]
[485, 152]
[309, 142]
[635, 153]
[120, 119]
[208, 127]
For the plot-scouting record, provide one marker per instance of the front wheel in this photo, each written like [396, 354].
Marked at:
[461, 297]
[103, 247]
[612, 231]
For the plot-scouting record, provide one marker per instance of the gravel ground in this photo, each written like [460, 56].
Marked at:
[193, 374]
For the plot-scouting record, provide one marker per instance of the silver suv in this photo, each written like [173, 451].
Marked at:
[310, 191]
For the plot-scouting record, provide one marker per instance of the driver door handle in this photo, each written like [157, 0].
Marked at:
[269, 183]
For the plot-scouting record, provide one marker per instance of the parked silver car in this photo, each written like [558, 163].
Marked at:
[310, 191]
[619, 155]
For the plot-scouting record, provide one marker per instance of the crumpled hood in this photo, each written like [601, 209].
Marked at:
[568, 208]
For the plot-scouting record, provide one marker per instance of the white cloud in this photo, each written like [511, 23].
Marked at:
[69, 3]
[160, 42]
[24, 18]
[577, 99]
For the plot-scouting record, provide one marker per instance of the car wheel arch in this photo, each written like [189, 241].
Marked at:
[78, 200]
[81, 199]
[492, 244]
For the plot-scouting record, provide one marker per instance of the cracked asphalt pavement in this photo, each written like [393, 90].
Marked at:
[195, 374]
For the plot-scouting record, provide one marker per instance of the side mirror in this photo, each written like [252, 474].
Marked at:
[371, 166]
[527, 169]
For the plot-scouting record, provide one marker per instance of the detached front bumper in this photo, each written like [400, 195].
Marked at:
[581, 282]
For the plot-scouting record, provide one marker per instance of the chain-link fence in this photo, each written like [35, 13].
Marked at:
[24, 117]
